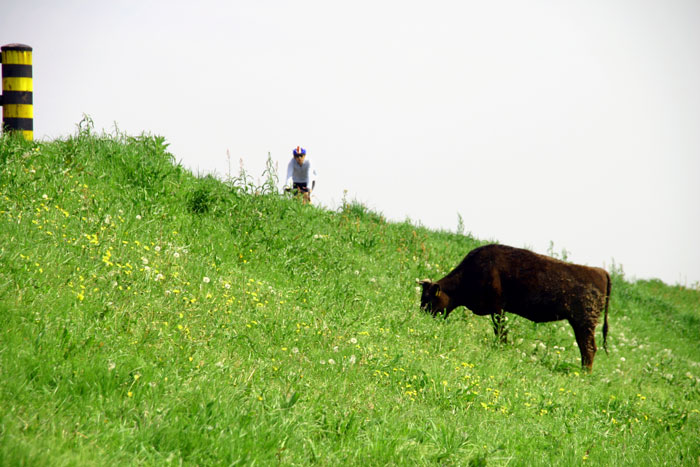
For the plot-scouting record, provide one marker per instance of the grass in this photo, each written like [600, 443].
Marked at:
[148, 316]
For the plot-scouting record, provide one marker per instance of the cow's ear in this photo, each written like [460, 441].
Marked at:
[436, 289]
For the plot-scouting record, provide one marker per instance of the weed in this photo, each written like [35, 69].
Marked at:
[150, 316]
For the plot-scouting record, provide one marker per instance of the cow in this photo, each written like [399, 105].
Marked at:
[493, 279]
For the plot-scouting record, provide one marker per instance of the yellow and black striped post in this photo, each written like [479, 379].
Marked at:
[17, 90]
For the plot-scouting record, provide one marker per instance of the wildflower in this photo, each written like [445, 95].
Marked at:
[295, 350]
[331, 361]
[206, 280]
[176, 255]
[157, 248]
[130, 394]
[227, 286]
[353, 359]
[138, 217]
[111, 366]
[159, 277]
[353, 341]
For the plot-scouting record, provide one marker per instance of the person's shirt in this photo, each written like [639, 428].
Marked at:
[303, 173]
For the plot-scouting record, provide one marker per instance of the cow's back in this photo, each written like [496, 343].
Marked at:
[538, 287]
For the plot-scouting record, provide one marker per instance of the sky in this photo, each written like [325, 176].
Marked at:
[549, 125]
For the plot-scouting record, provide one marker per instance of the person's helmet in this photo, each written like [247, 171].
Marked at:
[299, 151]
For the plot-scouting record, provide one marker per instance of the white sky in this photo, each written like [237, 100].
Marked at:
[574, 122]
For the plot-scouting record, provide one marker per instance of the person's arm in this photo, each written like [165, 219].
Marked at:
[312, 176]
[290, 172]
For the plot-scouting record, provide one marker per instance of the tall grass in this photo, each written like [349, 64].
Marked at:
[148, 316]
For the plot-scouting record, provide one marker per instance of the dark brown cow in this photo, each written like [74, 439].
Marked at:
[493, 279]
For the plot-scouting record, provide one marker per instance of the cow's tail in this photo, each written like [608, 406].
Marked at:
[605, 319]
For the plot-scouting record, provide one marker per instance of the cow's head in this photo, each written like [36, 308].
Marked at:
[433, 299]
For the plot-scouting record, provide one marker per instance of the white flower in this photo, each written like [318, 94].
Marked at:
[108, 219]
[322, 362]
[138, 217]
[160, 277]
[176, 255]
[144, 260]
[331, 361]
[44, 196]
[295, 350]
[206, 280]
[111, 366]
[353, 341]
[157, 248]
[227, 286]
[353, 359]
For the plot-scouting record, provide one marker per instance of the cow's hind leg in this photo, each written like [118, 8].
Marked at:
[585, 338]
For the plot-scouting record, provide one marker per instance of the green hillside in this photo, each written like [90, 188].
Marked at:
[148, 316]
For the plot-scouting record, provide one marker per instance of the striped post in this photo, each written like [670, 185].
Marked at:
[17, 90]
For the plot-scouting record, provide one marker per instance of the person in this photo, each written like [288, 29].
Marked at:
[301, 174]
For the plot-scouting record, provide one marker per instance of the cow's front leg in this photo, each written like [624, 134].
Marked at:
[499, 326]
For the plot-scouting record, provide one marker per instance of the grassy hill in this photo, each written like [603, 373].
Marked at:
[148, 316]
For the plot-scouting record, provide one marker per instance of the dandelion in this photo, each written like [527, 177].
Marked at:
[157, 248]
[130, 394]
[206, 280]
[353, 341]
[331, 361]
[111, 366]
[295, 350]
[160, 277]
[322, 362]
[176, 255]
[227, 286]
[138, 217]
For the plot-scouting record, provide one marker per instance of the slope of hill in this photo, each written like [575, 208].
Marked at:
[149, 316]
